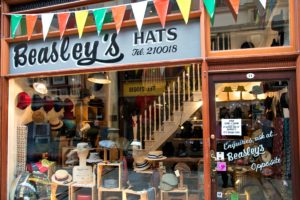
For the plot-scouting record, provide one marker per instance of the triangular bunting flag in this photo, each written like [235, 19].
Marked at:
[161, 7]
[81, 17]
[185, 7]
[46, 22]
[118, 14]
[62, 22]
[263, 3]
[30, 24]
[210, 6]
[14, 23]
[99, 16]
[139, 10]
[234, 6]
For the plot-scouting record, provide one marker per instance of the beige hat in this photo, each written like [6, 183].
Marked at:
[155, 155]
[61, 177]
[38, 116]
[140, 163]
[55, 123]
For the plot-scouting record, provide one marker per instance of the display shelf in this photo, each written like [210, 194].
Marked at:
[184, 191]
[142, 194]
[76, 186]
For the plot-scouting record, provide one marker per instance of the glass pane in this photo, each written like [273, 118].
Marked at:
[255, 26]
[112, 132]
[253, 140]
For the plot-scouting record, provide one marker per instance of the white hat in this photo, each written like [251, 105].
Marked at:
[61, 177]
[93, 158]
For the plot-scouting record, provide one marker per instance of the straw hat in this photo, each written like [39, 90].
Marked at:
[55, 123]
[140, 164]
[38, 116]
[61, 177]
[155, 155]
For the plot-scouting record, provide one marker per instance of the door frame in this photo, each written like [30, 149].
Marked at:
[289, 75]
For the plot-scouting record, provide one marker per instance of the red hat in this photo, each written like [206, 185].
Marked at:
[69, 115]
[68, 105]
[48, 103]
[24, 100]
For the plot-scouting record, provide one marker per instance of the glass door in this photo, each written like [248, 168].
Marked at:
[253, 137]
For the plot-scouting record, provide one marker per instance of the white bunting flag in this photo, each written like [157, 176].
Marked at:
[263, 3]
[139, 10]
[46, 21]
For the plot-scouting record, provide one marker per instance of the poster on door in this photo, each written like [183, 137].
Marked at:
[231, 127]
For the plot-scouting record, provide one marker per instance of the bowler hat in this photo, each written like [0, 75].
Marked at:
[23, 100]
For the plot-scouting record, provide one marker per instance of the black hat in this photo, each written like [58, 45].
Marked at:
[284, 100]
[58, 104]
[84, 93]
[37, 102]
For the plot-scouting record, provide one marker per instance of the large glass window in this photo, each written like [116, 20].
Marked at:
[255, 26]
[134, 133]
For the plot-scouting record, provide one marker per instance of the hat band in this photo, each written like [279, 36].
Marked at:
[142, 165]
[61, 179]
[54, 125]
[154, 156]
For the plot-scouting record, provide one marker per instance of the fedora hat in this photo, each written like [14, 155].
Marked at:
[38, 116]
[61, 177]
[55, 123]
[36, 102]
[48, 103]
[140, 164]
[23, 100]
[257, 89]
[58, 104]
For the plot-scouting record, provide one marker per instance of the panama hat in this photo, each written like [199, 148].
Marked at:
[61, 177]
[23, 100]
[55, 123]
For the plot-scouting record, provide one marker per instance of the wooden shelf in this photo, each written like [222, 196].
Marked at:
[183, 159]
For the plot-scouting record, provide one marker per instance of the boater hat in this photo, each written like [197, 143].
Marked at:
[140, 164]
[155, 155]
[61, 177]
[55, 123]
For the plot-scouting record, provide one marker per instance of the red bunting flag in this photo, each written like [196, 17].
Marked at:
[234, 6]
[62, 22]
[161, 7]
[30, 24]
[118, 14]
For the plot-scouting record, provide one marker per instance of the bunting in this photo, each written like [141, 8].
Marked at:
[30, 23]
[161, 7]
[234, 6]
[81, 17]
[210, 6]
[139, 10]
[185, 7]
[263, 3]
[46, 21]
[62, 22]
[14, 23]
[99, 16]
[118, 14]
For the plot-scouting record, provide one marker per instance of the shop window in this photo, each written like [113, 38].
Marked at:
[255, 26]
[108, 134]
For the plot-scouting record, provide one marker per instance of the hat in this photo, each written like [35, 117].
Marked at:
[55, 123]
[48, 103]
[81, 146]
[58, 104]
[168, 182]
[107, 144]
[23, 100]
[266, 156]
[93, 158]
[140, 163]
[37, 102]
[61, 177]
[69, 115]
[69, 123]
[68, 105]
[155, 155]
[84, 93]
[257, 89]
[38, 116]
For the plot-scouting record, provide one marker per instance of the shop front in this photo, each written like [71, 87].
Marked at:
[113, 101]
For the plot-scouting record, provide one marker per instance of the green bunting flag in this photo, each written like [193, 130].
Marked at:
[99, 16]
[14, 23]
[210, 6]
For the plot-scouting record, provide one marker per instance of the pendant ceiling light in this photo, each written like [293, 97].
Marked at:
[40, 87]
[100, 78]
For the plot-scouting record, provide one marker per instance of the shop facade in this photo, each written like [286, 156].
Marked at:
[199, 109]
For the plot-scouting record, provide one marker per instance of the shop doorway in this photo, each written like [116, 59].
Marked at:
[254, 148]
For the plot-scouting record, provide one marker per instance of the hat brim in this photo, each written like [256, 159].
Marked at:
[141, 168]
[93, 160]
[160, 158]
[65, 182]
[58, 126]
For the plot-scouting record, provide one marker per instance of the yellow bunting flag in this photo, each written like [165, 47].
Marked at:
[81, 17]
[185, 7]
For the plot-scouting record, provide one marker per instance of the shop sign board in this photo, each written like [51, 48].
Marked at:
[231, 127]
[177, 41]
[143, 89]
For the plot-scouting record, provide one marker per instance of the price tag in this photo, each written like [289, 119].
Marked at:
[177, 173]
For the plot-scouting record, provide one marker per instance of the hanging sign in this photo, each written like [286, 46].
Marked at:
[231, 127]
[143, 89]
[177, 41]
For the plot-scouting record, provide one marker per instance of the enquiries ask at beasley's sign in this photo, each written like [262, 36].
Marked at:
[176, 41]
